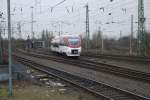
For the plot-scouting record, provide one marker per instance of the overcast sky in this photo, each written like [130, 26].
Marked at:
[69, 17]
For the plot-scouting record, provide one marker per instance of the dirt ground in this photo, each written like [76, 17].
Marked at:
[23, 90]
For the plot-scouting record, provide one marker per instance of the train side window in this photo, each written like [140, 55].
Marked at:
[61, 43]
[56, 45]
[52, 44]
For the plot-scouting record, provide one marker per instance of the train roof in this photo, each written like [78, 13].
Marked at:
[76, 35]
[57, 38]
[67, 35]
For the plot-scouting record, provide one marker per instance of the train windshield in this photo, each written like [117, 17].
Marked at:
[74, 41]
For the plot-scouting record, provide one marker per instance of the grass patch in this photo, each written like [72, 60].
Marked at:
[3, 92]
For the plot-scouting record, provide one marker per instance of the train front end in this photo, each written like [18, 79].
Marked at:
[73, 46]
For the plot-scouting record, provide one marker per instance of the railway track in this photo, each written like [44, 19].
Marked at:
[98, 66]
[137, 59]
[106, 92]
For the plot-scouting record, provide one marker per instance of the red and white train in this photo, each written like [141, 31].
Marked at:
[70, 45]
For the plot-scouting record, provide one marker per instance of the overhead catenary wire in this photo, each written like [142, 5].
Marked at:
[72, 17]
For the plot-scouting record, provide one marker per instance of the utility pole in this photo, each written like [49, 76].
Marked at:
[87, 28]
[131, 36]
[120, 34]
[1, 60]
[100, 34]
[102, 43]
[9, 48]
[60, 24]
[97, 38]
[32, 23]
[19, 29]
[141, 31]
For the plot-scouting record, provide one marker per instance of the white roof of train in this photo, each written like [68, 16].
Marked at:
[69, 35]
[57, 38]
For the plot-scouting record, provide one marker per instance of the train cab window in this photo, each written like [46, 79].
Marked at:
[74, 42]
